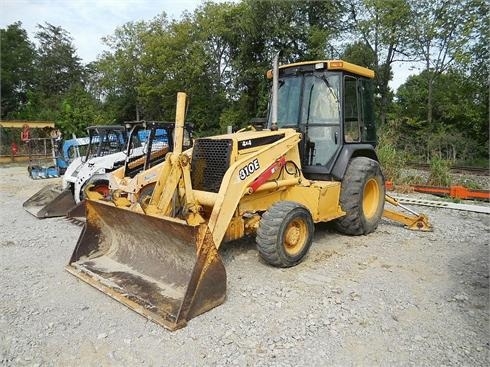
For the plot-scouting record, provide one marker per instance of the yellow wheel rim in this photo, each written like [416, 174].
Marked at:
[370, 200]
[295, 237]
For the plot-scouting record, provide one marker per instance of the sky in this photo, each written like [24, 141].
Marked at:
[88, 21]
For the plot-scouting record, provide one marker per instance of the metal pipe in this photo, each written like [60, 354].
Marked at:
[179, 122]
[271, 185]
[205, 198]
[275, 88]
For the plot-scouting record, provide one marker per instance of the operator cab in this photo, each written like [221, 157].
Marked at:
[105, 140]
[331, 104]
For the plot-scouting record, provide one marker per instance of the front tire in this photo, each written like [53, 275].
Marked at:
[145, 193]
[285, 234]
[95, 184]
[362, 196]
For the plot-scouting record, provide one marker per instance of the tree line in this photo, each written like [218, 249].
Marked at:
[219, 53]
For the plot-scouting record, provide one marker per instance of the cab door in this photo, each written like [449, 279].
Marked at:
[320, 122]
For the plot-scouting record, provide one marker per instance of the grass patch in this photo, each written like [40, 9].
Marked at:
[392, 162]
[439, 174]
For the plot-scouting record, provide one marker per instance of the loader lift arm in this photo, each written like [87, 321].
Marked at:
[234, 187]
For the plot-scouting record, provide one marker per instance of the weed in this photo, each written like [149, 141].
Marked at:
[413, 180]
[392, 161]
[439, 172]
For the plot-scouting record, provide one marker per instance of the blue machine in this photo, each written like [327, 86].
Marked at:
[160, 136]
[61, 158]
[113, 140]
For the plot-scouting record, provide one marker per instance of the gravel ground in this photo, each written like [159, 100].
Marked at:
[392, 298]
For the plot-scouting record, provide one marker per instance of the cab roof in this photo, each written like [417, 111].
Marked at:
[340, 65]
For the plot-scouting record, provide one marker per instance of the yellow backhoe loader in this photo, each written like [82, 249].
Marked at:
[315, 162]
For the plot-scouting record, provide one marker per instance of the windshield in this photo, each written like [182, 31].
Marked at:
[313, 99]
[105, 142]
[310, 102]
[321, 101]
[288, 102]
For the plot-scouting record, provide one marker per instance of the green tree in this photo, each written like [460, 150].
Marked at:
[173, 61]
[121, 70]
[441, 33]
[77, 110]
[214, 23]
[218, 55]
[17, 57]
[304, 30]
[475, 68]
[359, 53]
[58, 67]
[458, 130]
[382, 26]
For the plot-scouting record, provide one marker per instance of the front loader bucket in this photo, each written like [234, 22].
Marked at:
[163, 269]
[50, 201]
[77, 213]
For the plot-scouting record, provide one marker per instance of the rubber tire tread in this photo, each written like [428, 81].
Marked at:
[269, 236]
[359, 170]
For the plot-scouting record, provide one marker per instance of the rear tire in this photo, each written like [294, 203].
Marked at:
[285, 234]
[362, 197]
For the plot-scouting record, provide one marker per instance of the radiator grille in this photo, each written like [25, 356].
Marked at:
[210, 161]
